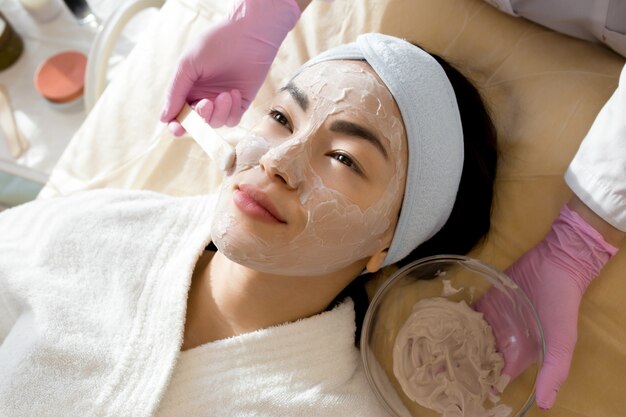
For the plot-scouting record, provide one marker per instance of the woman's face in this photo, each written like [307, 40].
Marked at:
[318, 184]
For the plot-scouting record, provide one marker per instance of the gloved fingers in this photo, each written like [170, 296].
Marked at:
[517, 345]
[554, 371]
[176, 128]
[205, 109]
[213, 114]
[236, 110]
[222, 107]
[518, 358]
[177, 93]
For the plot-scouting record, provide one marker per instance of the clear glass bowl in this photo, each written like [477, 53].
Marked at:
[439, 276]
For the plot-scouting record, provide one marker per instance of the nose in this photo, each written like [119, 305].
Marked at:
[286, 163]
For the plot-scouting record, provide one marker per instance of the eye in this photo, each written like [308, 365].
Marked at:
[348, 161]
[279, 117]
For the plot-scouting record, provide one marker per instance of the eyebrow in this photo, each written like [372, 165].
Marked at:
[298, 95]
[356, 130]
[338, 126]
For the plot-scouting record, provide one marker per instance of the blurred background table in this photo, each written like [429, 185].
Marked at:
[46, 128]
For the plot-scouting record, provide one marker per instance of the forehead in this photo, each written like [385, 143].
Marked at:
[353, 81]
[354, 90]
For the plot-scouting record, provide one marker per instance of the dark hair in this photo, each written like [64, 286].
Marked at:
[470, 218]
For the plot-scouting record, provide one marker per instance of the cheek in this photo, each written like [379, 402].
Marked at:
[334, 217]
[380, 188]
[249, 151]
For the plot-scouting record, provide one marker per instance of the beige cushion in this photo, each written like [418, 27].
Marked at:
[544, 90]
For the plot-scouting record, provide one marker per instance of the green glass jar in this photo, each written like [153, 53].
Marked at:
[11, 44]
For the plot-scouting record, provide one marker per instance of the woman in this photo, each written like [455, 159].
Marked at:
[101, 291]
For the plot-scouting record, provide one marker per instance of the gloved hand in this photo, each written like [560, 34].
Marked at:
[554, 274]
[222, 72]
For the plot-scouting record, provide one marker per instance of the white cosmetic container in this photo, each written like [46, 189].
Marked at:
[42, 10]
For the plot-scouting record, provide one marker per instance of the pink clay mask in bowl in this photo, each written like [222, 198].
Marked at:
[428, 353]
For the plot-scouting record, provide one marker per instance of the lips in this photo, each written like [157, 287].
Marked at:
[255, 202]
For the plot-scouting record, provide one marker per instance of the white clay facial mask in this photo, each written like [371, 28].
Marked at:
[318, 184]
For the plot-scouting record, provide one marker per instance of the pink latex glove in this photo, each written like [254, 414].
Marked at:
[554, 275]
[221, 73]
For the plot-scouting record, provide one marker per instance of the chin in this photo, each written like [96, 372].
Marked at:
[279, 259]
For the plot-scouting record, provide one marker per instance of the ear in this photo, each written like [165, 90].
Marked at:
[376, 261]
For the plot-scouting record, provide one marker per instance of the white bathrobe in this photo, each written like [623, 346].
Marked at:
[93, 291]
[594, 20]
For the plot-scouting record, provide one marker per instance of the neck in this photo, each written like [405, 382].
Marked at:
[227, 299]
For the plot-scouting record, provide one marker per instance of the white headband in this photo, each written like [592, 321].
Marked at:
[431, 118]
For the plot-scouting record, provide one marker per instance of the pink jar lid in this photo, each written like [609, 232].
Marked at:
[61, 78]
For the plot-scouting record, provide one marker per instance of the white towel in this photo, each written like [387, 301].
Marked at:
[93, 293]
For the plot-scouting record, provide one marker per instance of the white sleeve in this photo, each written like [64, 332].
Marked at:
[503, 5]
[602, 21]
[597, 175]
